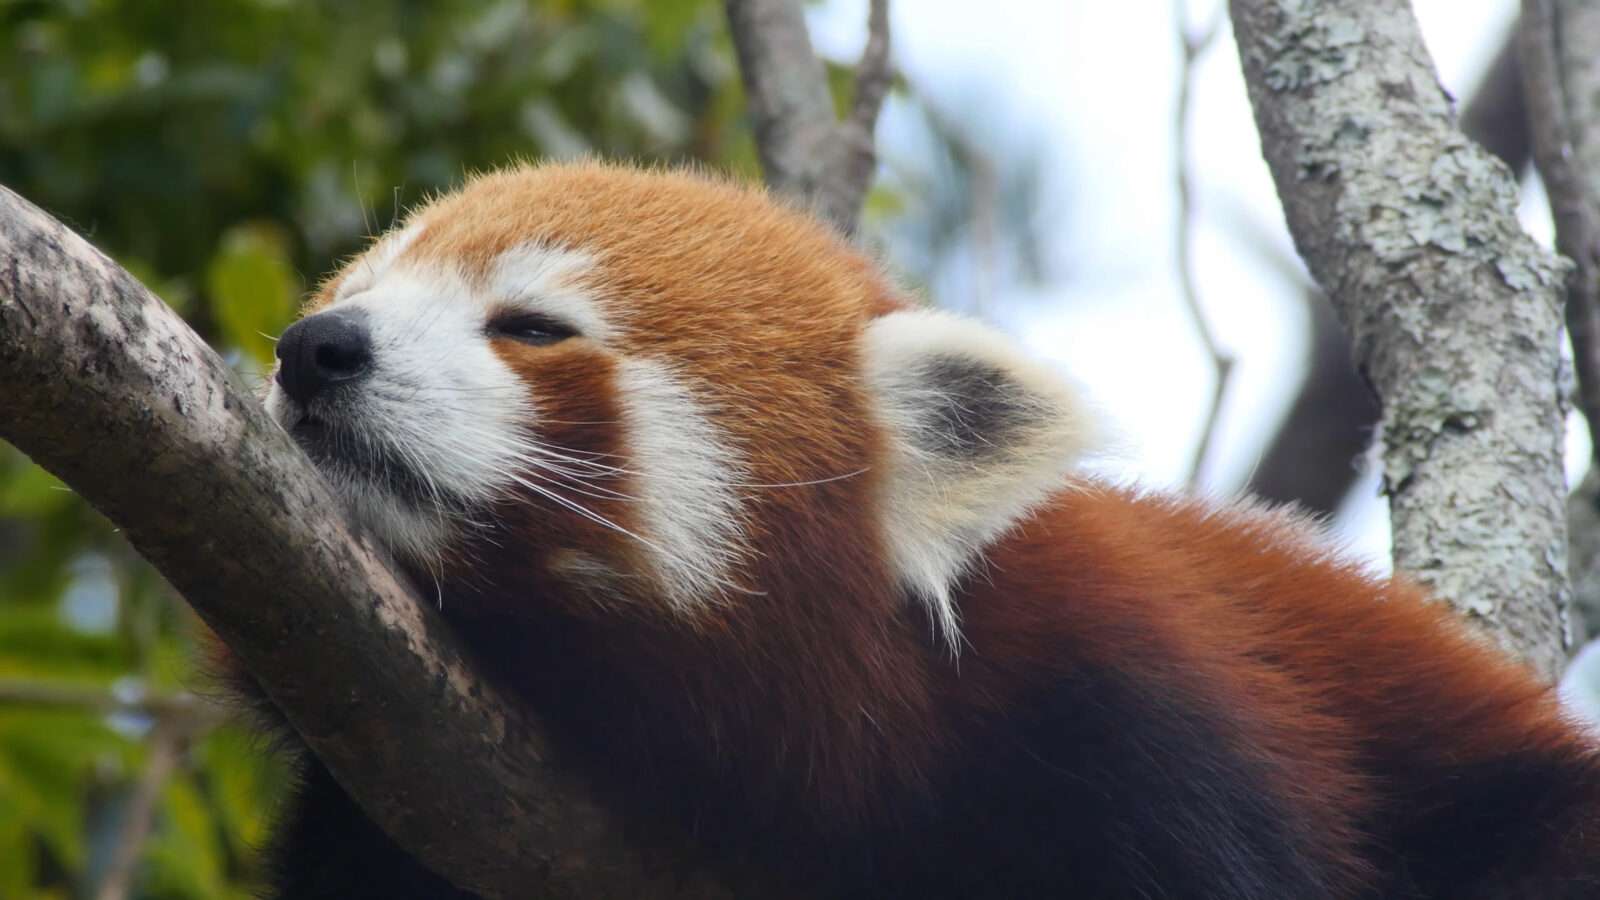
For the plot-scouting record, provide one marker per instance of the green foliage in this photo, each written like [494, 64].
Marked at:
[229, 152]
[252, 288]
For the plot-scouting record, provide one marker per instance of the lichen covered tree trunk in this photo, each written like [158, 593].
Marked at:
[1455, 314]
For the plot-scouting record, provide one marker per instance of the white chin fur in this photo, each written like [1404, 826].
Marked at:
[411, 532]
[444, 403]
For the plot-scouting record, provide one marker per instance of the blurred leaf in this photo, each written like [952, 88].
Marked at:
[36, 643]
[884, 203]
[29, 491]
[16, 857]
[671, 20]
[253, 288]
[229, 156]
[185, 857]
[44, 758]
[244, 783]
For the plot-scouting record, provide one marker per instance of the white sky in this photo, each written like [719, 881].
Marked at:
[1096, 83]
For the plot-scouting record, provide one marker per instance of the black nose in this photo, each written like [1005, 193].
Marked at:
[323, 350]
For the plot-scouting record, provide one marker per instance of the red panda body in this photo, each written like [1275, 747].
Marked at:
[804, 581]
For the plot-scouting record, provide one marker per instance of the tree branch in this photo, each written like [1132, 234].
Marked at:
[806, 151]
[166, 744]
[1560, 43]
[108, 389]
[194, 712]
[1315, 455]
[1583, 550]
[1193, 44]
[1454, 312]
[1561, 77]
[178, 718]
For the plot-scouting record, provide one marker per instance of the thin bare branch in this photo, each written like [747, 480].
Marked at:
[166, 743]
[1560, 49]
[179, 706]
[984, 224]
[1560, 52]
[1193, 45]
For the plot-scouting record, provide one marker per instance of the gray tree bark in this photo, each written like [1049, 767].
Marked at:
[1561, 46]
[1454, 313]
[1316, 454]
[106, 387]
[807, 152]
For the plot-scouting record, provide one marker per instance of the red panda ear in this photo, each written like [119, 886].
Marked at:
[978, 434]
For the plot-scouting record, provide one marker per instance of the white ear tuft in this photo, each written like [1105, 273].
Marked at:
[979, 434]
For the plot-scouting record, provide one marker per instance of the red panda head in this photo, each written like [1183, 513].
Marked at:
[665, 392]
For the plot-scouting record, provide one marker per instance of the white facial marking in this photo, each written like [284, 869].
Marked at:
[438, 402]
[685, 474]
[375, 263]
[442, 404]
[979, 435]
[537, 278]
[438, 387]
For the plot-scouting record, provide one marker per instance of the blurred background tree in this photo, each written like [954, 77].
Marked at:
[228, 152]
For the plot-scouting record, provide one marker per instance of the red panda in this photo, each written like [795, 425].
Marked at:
[807, 579]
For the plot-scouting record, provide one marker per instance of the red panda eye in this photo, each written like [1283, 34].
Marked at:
[529, 328]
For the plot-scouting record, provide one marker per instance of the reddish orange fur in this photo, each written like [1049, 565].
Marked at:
[1332, 670]
[822, 695]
